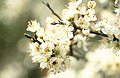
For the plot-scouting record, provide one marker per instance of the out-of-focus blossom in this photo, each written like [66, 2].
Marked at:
[9, 71]
[81, 42]
[104, 59]
[117, 7]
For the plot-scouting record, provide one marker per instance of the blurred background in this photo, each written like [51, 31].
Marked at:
[15, 62]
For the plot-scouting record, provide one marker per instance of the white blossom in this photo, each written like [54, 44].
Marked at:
[104, 59]
[81, 41]
[33, 26]
[40, 32]
[85, 32]
[117, 10]
[72, 9]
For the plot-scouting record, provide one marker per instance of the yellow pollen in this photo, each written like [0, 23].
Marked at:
[32, 26]
[91, 4]
[83, 4]
[61, 61]
[31, 20]
[28, 51]
[52, 71]
[30, 55]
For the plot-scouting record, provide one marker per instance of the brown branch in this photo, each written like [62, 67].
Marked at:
[47, 4]
[31, 38]
[59, 22]
[71, 50]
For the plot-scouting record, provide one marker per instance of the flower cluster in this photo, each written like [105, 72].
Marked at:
[81, 15]
[112, 32]
[51, 46]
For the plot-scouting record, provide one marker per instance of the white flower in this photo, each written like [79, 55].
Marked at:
[104, 59]
[90, 16]
[116, 1]
[33, 26]
[48, 19]
[117, 10]
[46, 49]
[65, 14]
[70, 35]
[34, 47]
[58, 64]
[86, 32]
[81, 41]
[62, 50]
[105, 26]
[43, 65]
[43, 46]
[89, 72]
[69, 30]
[82, 10]
[83, 23]
[40, 32]
[103, 2]
[79, 44]
[40, 40]
[78, 3]
[71, 11]
[73, 5]
[91, 11]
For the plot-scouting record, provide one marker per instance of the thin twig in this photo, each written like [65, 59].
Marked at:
[31, 38]
[60, 23]
[71, 50]
[47, 4]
